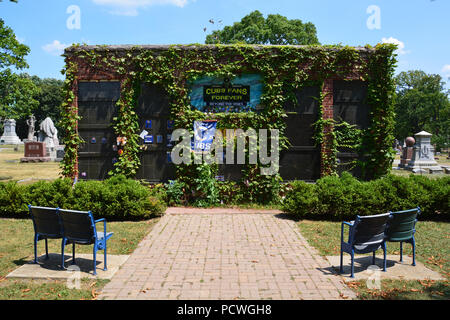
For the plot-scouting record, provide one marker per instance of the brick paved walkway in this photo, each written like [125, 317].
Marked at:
[225, 256]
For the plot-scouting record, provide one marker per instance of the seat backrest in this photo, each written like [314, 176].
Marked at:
[46, 221]
[369, 229]
[77, 225]
[401, 225]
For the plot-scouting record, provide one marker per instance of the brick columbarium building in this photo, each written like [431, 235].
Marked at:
[169, 86]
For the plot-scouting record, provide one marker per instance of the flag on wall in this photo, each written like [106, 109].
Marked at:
[204, 132]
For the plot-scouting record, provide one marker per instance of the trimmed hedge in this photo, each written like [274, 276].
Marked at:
[116, 198]
[345, 197]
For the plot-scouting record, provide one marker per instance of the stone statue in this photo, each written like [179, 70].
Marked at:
[31, 131]
[48, 133]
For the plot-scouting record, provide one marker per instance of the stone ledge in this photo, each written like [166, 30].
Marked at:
[50, 269]
[394, 268]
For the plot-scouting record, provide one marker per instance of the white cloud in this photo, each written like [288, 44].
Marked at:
[400, 45]
[131, 7]
[55, 48]
[446, 70]
[21, 40]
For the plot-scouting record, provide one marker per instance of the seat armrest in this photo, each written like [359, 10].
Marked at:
[347, 223]
[342, 229]
[104, 224]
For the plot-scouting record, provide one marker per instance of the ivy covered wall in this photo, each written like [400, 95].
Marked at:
[283, 69]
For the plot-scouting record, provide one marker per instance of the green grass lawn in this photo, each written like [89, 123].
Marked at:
[12, 169]
[16, 249]
[432, 249]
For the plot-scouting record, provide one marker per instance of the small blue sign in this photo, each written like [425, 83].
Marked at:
[148, 124]
[148, 139]
[170, 124]
[204, 132]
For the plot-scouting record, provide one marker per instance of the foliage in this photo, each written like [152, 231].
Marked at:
[69, 123]
[198, 184]
[422, 104]
[116, 198]
[276, 29]
[12, 52]
[230, 193]
[126, 124]
[17, 95]
[280, 69]
[345, 197]
[376, 147]
[176, 191]
[16, 91]
[50, 98]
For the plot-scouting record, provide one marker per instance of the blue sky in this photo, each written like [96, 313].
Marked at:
[421, 27]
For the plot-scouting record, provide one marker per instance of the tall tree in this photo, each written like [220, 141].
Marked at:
[50, 97]
[17, 95]
[12, 52]
[276, 29]
[14, 90]
[422, 104]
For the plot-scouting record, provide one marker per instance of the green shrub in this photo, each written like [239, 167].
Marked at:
[301, 199]
[116, 198]
[230, 192]
[345, 197]
[12, 199]
[175, 191]
[55, 194]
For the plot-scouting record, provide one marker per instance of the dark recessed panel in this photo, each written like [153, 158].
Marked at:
[306, 101]
[98, 140]
[300, 165]
[98, 91]
[349, 99]
[155, 167]
[97, 112]
[153, 101]
[301, 115]
[94, 167]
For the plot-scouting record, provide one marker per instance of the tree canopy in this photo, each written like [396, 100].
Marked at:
[422, 104]
[12, 52]
[17, 95]
[16, 91]
[276, 29]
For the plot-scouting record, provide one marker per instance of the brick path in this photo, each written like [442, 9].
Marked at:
[225, 256]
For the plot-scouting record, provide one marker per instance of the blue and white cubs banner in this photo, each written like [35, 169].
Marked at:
[204, 132]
